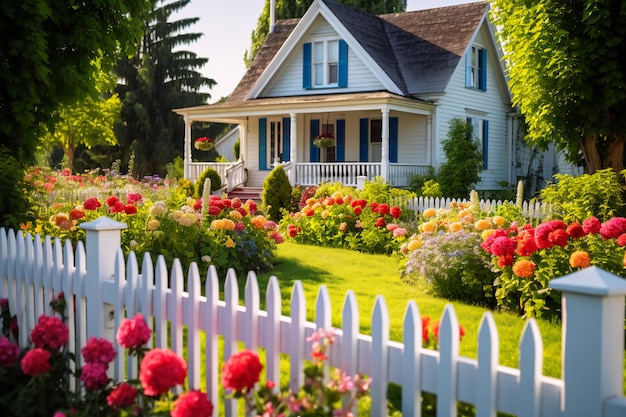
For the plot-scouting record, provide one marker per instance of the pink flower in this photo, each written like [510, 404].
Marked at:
[392, 226]
[611, 229]
[50, 332]
[133, 333]
[400, 231]
[503, 245]
[4, 303]
[9, 353]
[36, 362]
[123, 395]
[94, 375]
[591, 225]
[132, 198]
[276, 236]
[98, 350]
[192, 404]
[160, 370]
[542, 233]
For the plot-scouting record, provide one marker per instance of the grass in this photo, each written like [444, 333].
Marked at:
[369, 275]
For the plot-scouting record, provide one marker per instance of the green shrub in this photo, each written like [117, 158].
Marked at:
[431, 189]
[14, 203]
[578, 198]
[417, 181]
[176, 168]
[460, 172]
[453, 266]
[216, 182]
[237, 149]
[276, 194]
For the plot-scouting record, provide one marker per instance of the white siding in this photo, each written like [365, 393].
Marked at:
[462, 102]
[412, 148]
[287, 81]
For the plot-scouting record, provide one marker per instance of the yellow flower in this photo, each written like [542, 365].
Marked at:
[325, 214]
[430, 212]
[230, 243]
[428, 227]
[415, 244]
[455, 227]
[486, 233]
[223, 224]
[153, 225]
[466, 215]
[311, 201]
[235, 214]
[337, 194]
[482, 224]
[499, 220]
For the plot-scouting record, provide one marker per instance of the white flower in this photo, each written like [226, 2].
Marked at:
[158, 209]
[206, 258]
[133, 244]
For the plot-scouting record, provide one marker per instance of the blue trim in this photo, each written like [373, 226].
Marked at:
[468, 68]
[315, 151]
[485, 144]
[483, 69]
[363, 139]
[393, 139]
[306, 66]
[262, 143]
[340, 144]
[286, 139]
[343, 64]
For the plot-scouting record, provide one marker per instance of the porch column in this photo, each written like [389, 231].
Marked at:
[384, 151]
[293, 154]
[242, 141]
[187, 150]
[429, 139]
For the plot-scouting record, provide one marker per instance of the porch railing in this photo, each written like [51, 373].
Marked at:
[314, 173]
[235, 175]
[197, 168]
[400, 174]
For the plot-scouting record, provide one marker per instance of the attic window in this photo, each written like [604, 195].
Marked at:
[325, 64]
[476, 68]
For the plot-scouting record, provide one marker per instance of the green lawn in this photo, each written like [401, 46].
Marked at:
[370, 275]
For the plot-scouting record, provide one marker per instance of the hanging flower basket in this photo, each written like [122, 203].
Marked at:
[324, 140]
[203, 144]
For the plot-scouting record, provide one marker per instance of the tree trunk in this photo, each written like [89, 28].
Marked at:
[69, 158]
[595, 160]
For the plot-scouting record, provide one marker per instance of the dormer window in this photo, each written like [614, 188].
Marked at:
[476, 68]
[325, 64]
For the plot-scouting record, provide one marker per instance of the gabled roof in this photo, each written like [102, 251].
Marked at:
[417, 50]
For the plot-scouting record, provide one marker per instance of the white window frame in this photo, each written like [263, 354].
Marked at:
[475, 67]
[274, 140]
[322, 66]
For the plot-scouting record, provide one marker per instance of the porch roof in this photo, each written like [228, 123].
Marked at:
[227, 112]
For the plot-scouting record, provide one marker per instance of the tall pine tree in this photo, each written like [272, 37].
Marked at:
[287, 9]
[155, 81]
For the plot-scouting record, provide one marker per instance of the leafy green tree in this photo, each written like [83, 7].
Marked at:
[567, 74]
[156, 80]
[287, 9]
[460, 172]
[46, 56]
[89, 122]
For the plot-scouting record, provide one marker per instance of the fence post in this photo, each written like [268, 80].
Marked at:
[103, 238]
[592, 339]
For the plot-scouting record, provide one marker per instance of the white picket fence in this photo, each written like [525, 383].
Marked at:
[530, 210]
[107, 287]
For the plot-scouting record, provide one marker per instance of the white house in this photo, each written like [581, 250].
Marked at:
[385, 87]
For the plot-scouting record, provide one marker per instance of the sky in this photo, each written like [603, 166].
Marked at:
[227, 27]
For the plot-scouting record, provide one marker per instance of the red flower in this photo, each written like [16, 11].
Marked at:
[9, 353]
[132, 198]
[621, 240]
[373, 206]
[591, 225]
[122, 396]
[235, 203]
[192, 404]
[358, 210]
[251, 206]
[380, 222]
[395, 212]
[112, 200]
[503, 245]
[383, 209]
[133, 333]
[94, 375]
[36, 362]
[197, 205]
[98, 350]
[214, 210]
[239, 226]
[425, 323]
[526, 242]
[575, 230]
[130, 209]
[559, 237]
[160, 370]
[50, 332]
[611, 229]
[241, 371]
[543, 231]
[505, 260]
[76, 214]
[118, 207]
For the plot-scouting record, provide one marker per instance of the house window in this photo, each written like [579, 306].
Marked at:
[331, 155]
[325, 63]
[275, 142]
[480, 133]
[476, 68]
[376, 140]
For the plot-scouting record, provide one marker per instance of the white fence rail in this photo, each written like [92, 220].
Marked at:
[102, 281]
[529, 209]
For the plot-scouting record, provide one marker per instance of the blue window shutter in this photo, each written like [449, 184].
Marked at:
[306, 66]
[485, 144]
[341, 141]
[343, 64]
[286, 138]
[393, 139]
[483, 69]
[468, 68]
[315, 151]
[363, 139]
[262, 143]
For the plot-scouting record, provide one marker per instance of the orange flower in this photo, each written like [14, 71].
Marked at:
[482, 224]
[430, 212]
[524, 268]
[579, 259]
[455, 227]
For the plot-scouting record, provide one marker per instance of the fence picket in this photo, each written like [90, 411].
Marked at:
[191, 316]
[69, 273]
[487, 377]
[175, 308]
[530, 365]
[209, 322]
[379, 356]
[131, 294]
[253, 305]
[297, 336]
[229, 328]
[145, 299]
[271, 330]
[29, 294]
[119, 281]
[411, 358]
[19, 306]
[79, 300]
[323, 311]
[4, 263]
[160, 303]
[448, 361]
[349, 351]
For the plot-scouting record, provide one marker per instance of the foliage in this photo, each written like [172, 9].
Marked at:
[157, 79]
[452, 265]
[276, 194]
[237, 149]
[461, 169]
[528, 258]
[552, 56]
[287, 9]
[417, 181]
[14, 201]
[176, 168]
[380, 191]
[577, 198]
[431, 189]
[213, 175]
[88, 122]
[320, 396]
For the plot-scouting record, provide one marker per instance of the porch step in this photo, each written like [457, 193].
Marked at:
[245, 193]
